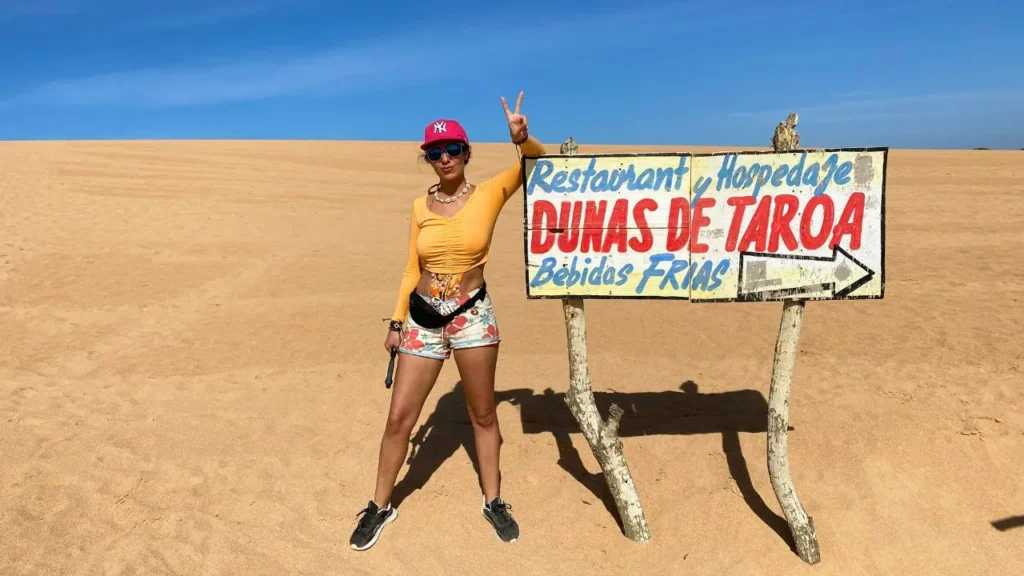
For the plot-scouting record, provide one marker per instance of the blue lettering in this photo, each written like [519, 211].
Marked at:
[797, 172]
[594, 277]
[748, 175]
[706, 276]
[541, 170]
[609, 276]
[716, 281]
[557, 181]
[574, 275]
[623, 176]
[830, 168]
[700, 281]
[686, 279]
[646, 179]
[725, 172]
[652, 270]
[699, 188]
[780, 173]
[600, 182]
[843, 173]
[763, 175]
[624, 273]
[739, 177]
[588, 174]
[574, 180]
[759, 176]
[680, 171]
[547, 179]
[545, 272]
[677, 267]
[811, 177]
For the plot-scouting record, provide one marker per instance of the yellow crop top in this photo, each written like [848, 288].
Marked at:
[461, 242]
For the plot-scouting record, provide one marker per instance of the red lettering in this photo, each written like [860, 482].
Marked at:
[814, 241]
[540, 239]
[616, 233]
[678, 224]
[570, 235]
[740, 203]
[851, 222]
[647, 239]
[785, 210]
[699, 219]
[593, 226]
[757, 231]
[619, 213]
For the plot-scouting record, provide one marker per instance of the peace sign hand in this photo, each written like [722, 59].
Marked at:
[517, 126]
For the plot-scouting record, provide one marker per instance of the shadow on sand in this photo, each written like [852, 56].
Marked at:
[682, 412]
[1008, 523]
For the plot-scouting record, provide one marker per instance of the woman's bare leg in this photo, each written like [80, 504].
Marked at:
[414, 378]
[476, 368]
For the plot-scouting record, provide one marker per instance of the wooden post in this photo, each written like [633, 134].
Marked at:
[800, 524]
[602, 436]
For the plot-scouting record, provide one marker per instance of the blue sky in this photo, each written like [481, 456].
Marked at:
[901, 73]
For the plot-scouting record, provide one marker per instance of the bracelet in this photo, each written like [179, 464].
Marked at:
[525, 138]
[395, 326]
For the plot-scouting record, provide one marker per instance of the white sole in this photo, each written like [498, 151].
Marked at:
[391, 518]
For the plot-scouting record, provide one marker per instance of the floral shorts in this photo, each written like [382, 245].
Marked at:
[474, 327]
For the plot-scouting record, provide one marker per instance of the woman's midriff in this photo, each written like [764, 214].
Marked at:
[450, 286]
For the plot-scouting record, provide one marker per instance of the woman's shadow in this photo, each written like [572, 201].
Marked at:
[681, 412]
[448, 428]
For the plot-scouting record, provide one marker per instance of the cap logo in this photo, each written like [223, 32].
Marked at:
[440, 127]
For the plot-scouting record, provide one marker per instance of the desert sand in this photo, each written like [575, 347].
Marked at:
[192, 366]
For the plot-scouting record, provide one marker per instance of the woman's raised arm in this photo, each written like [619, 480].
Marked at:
[502, 186]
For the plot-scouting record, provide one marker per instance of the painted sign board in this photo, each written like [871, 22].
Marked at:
[722, 227]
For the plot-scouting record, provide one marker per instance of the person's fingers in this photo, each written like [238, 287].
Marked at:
[504, 105]
[519, 101]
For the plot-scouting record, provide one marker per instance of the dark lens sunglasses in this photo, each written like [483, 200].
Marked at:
[454, 150]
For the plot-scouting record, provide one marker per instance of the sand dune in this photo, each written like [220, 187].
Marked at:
[191, 381]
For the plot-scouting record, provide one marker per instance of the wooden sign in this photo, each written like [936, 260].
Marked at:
[723, 227]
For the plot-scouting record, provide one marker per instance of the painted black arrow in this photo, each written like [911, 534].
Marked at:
[767, 292]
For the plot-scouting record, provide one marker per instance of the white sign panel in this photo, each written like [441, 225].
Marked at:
[749, 226]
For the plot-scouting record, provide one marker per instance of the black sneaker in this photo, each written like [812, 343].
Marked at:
[370, 525]
[505, 526]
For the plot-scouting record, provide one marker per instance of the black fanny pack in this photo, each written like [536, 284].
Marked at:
[425, 315]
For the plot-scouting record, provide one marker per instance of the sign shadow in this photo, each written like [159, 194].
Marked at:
[685, 411]
[1008, 523]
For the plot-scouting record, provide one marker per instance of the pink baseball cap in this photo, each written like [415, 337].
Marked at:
[443, 129]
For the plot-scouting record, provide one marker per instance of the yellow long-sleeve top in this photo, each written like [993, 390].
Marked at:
[461, 242]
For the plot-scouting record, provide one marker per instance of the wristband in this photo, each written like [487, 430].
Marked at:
[525, 138]
[395, 326]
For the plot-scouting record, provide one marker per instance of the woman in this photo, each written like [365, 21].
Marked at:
[449, 238]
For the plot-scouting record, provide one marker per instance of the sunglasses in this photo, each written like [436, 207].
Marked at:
[454, 150]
